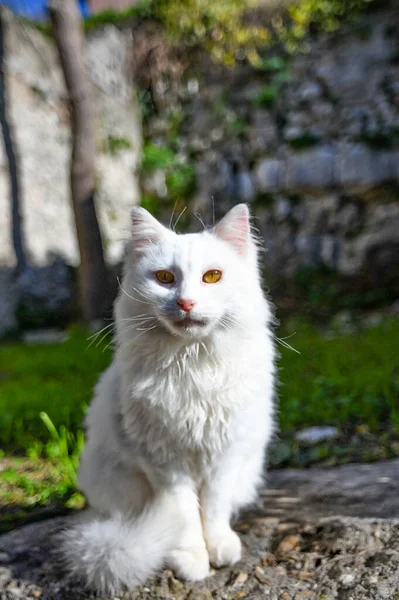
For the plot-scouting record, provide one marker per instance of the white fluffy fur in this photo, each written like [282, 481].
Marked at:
[178, 427]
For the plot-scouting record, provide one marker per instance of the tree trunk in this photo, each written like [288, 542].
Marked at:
[69, 38]
[16, 217]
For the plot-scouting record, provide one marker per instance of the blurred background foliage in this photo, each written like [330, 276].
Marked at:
[227, 31]
[232, 30]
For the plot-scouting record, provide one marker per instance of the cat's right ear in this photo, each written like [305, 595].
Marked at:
[234, 228]
[146, 230]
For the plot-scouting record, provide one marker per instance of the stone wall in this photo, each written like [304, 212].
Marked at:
[38, 112]
[38, 108]
[312, 142]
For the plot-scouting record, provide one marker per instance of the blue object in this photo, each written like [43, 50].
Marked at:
[84, 8]
[37, 9]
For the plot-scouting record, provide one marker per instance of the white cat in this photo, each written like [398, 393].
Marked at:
[177, 430]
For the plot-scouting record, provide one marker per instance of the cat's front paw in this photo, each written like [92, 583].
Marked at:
[224, 548]
[191, 564]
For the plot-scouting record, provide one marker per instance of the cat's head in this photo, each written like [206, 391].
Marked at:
[193, 284]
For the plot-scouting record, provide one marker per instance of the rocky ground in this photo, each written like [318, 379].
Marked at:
[317, 534]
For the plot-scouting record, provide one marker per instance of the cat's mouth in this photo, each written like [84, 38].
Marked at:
[189, 322]
[186, 325]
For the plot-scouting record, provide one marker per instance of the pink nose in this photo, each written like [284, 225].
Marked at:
[186, 305]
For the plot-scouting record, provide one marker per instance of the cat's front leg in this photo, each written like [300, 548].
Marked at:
[231, 485]
[189, 559]
[224, 545]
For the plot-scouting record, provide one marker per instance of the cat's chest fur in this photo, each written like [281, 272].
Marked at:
[182, 402]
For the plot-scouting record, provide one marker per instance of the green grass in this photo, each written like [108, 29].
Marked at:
[351, 381]
[351, 378]
[44, 391]
[57, 380]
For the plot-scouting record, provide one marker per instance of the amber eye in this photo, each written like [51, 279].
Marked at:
[212, 276]
[165, 276]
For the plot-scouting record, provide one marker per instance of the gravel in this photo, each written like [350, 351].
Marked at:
[295, 547]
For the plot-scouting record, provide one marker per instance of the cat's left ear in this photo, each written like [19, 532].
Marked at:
[146, 230]
[235, 228]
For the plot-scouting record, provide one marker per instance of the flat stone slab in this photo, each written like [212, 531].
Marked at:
[356, 490]
[317, 534]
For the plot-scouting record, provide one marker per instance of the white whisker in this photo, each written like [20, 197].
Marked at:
[213, 211]
[103, 338]
[178, 368]
[205, 348]
[200, 220]
[136, 318]
[141, 293]
[136, 325]
[234, 323]
[108, 345]
[128, 295]
[123, 348]
[283, 343]
[287, 337]
[94, 337]
[173, 214]
[178, 218]
[145, 329]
